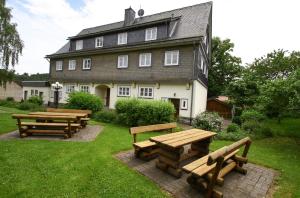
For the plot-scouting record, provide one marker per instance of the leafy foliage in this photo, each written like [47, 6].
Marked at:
[135, 112]
[224, 68]
[108, 116]
[35, 100]
[253, 115]
[32, 77]
[233, 128]
[26, 105]
[81, 100]
[210, 121]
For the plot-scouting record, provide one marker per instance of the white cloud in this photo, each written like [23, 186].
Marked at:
[255, 26]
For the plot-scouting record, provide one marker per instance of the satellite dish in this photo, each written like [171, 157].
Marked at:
[141, 12]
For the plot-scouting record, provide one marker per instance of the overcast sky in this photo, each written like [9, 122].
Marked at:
[255, 26]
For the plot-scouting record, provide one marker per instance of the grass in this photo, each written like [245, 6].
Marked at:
[289, 127]
[8, 124]
[41, 168]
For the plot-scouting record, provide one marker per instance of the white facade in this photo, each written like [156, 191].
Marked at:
[44, 92]
[189, 104]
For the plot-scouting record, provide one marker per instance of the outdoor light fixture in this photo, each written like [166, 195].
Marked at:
[56, 86]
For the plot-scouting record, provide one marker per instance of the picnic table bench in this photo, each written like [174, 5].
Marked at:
[171, 148]
[66, 128]
[210, 170]
[147, 150]
[83, 120]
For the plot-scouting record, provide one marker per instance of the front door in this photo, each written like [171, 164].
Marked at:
[25, 95]
[176, 103]
[107, 96]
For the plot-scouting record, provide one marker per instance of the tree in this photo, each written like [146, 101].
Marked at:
[224, 66]
[11, 44]
[278, 64]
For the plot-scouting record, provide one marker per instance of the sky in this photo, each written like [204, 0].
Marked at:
[256, 27]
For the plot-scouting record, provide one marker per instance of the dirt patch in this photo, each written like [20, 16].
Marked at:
[84, 135]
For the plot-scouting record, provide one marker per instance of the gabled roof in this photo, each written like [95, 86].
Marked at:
[193, 21]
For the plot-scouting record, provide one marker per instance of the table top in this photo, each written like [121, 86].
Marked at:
[59, 114]
[182, 138]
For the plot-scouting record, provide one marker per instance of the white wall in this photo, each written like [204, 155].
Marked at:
[199, 98]
[45, 90]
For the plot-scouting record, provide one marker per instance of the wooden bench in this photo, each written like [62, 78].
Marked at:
[210, 170]
[46, 125]
[147, 150]
[83, 121]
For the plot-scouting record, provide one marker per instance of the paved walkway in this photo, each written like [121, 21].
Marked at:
[84, 135]
[255, 184]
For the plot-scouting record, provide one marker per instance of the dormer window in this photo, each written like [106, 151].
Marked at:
[151, 34]
[99, 42]
[79, 44]
[122, 38]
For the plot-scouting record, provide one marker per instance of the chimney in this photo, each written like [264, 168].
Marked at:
[129, 16]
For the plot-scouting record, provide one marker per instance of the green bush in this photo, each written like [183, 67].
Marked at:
[7, 103]
[81, 100]
[252, 115]
[35, 100]
[10, 99]
[237, 120]
[223, 135]
[136, 112]
[233, 128]
[107, 116]
[210, 121]
[29, 106]
[256, 129]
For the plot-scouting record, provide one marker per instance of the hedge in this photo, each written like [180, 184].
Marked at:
[137, 112]
[81, 100]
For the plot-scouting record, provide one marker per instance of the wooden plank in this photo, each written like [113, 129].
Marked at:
[144, 144]
[60, 124]
[45, 131]
[195, 138]
[89, 112]
[229, 167]
[187, 136]
[59, 114]
[166, 137]
[156, 127]
[195, 164]
[43, 117]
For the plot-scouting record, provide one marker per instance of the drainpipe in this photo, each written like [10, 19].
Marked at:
[192, 94]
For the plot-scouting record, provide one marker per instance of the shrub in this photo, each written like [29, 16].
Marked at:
[233, 128]
[231, 136]
[35, 100]
[256, 129]
[208, 121]
[237, 120]
[81, 100]
[10, 99]
[7, 103]
[134, 112]
[253, 115]
[108, 116]
[29, 106]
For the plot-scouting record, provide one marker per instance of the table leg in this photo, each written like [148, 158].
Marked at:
[169, 160]
[200, 148]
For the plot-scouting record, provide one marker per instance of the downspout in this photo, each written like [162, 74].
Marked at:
[192, 94]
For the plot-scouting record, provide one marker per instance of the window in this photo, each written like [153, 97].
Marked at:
[151, 34]
[172, 57]
[31, 92]
[59, 65]
[99, 42]
[124, 91]
[41, 94]
[145, 60]
[87, 63]
[79, 44]
[72, 64]
[122, 38]
[36, 92]
[85, 88]
[184, 104]
[70, 88]
[146, 92]
[123, 61]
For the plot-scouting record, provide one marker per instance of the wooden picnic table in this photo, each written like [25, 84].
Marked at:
[171, 148]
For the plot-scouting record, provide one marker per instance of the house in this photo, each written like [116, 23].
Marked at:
[220, 105]
[36, 88]
[163, 56]
[13, 89]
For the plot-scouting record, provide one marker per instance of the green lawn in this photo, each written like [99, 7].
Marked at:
[8, 124]
[40, 168]
[287, 127]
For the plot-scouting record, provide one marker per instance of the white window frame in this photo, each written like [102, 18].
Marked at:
[151, 34]
[123, 61]
[184, 104]
[142, 94]
[173, 54]
[69, 89]
[99, 42]
[85, 88]
[72, 65]
[122, 38]
[122, 91]
[86, 66]
[143, 59]
[79, 45]
[59, 65]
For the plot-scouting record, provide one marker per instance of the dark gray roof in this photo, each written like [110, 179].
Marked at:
[193, 22]
[35, 84]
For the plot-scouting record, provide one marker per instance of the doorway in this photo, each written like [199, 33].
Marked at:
[103, 91]
[25, 95]
[176, 103]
